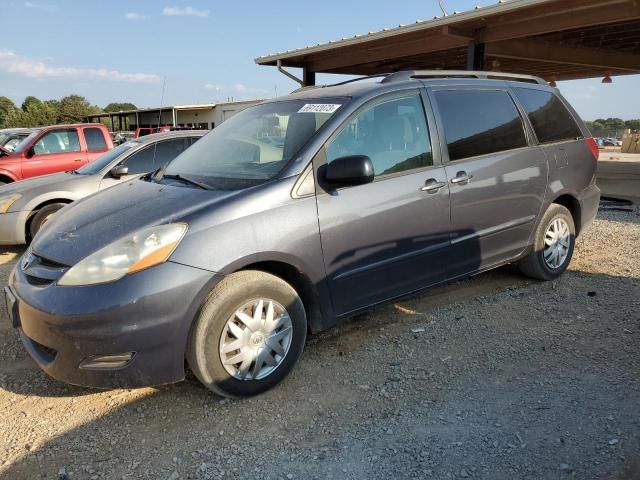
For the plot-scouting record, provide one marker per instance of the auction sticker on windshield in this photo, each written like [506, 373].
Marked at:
[319, 108]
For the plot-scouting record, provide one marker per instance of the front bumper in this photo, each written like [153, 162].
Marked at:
[12, 225]
[148, 314]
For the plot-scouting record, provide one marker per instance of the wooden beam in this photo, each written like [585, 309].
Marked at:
[386, 50]
[548, 52]
[566, 15]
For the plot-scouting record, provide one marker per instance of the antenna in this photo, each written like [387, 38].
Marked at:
[441, 3]
[155, 145]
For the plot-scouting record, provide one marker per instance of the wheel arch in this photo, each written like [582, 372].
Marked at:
[34, 210]
[301, 283]
[571, 203]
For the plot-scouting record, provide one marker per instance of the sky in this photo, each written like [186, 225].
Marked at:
[203, 52]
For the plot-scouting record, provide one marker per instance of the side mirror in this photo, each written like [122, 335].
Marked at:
[350, 170]
[119, 171]
[31, 152]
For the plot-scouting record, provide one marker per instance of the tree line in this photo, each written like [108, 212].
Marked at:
[38, 113]
[612, 127]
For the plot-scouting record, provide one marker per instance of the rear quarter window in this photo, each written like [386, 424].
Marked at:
[551, 120]
[479, 122]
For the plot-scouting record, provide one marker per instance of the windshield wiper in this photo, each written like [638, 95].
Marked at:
[188, 180]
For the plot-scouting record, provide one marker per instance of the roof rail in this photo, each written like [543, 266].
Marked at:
[422, 74]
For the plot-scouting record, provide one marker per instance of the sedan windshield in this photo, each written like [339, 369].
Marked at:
[254, 145]
[104, 160]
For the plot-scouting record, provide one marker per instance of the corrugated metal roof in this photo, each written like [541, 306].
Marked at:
[501, 7]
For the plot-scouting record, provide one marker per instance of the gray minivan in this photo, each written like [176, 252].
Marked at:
[299, 212]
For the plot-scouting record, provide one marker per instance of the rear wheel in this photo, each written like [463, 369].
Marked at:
[248, 336]
[553, 245]
[43, 216]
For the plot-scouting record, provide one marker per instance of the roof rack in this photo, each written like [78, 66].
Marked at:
[422, 74]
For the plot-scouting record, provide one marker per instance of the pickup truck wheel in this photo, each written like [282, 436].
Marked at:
[248, 336]
[43, 216]
[553, 245]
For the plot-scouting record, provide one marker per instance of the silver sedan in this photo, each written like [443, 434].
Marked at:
[25, 206]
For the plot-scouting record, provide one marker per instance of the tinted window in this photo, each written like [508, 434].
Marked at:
[60, 141]
[95, 140]
[154, 156]
[479, 122]
[103, 160]
[551, 120]
[393, 134]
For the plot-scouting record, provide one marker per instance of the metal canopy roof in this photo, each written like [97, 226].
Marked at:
[554, 39]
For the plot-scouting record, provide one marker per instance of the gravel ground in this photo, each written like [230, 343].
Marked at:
[496, 377]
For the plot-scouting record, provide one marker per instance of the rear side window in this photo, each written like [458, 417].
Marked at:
[551, 120]
[95, 140]
[479, 122]
[392, 133]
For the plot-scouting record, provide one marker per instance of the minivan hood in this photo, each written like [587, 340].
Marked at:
[98, 220]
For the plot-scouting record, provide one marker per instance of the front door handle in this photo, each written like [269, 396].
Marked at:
[461, 178]
[432, 186]
[78, 159]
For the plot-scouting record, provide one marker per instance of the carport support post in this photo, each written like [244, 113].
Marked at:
[112, 126]
[308, 77]
[475, 56]
[174, 117]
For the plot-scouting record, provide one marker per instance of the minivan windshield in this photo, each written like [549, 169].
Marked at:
[103, 160]
[254, 145]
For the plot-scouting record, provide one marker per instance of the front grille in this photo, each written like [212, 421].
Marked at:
[41, 271]
[41, 353]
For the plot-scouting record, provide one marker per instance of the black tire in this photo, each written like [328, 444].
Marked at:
[534, 264]
[229, 295]
[2, 183]
[43, 215]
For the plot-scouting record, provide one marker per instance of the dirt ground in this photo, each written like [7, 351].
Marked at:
[496, 377]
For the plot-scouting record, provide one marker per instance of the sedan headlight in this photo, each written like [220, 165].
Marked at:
[141, 250]
[8, 200]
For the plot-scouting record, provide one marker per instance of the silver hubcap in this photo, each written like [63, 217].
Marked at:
[255, 340]
[557, 241]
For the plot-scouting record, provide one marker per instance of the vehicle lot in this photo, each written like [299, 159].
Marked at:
[493, 377]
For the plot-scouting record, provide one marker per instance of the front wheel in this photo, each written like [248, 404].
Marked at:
[248, 336]
[553, 245]
[43, 216]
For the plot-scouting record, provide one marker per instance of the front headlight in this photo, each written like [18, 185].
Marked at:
[8, 200]
[136, 252]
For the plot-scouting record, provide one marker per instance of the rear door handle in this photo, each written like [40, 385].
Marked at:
[432, 186]
[461, 178]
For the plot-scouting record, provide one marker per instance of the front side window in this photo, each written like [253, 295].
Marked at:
[59, 141]
[550, 119]
[95, 140]
[479, 122]
[154, 156]
[254, 145]
[392, 133]
[103, 160]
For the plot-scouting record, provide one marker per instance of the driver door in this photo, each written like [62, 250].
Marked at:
[389, 237]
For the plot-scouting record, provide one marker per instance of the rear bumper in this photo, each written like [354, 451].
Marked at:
[589, 201]
[147, 314]
[12, 228]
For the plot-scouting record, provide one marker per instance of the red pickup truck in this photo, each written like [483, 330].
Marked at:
[54, 149]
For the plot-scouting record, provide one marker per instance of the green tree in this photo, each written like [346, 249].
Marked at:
[6, 105]
[74, 108]
[119, 107]
[31, 102]
[633, 124]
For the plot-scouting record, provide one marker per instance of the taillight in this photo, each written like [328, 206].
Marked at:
[593, 146]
